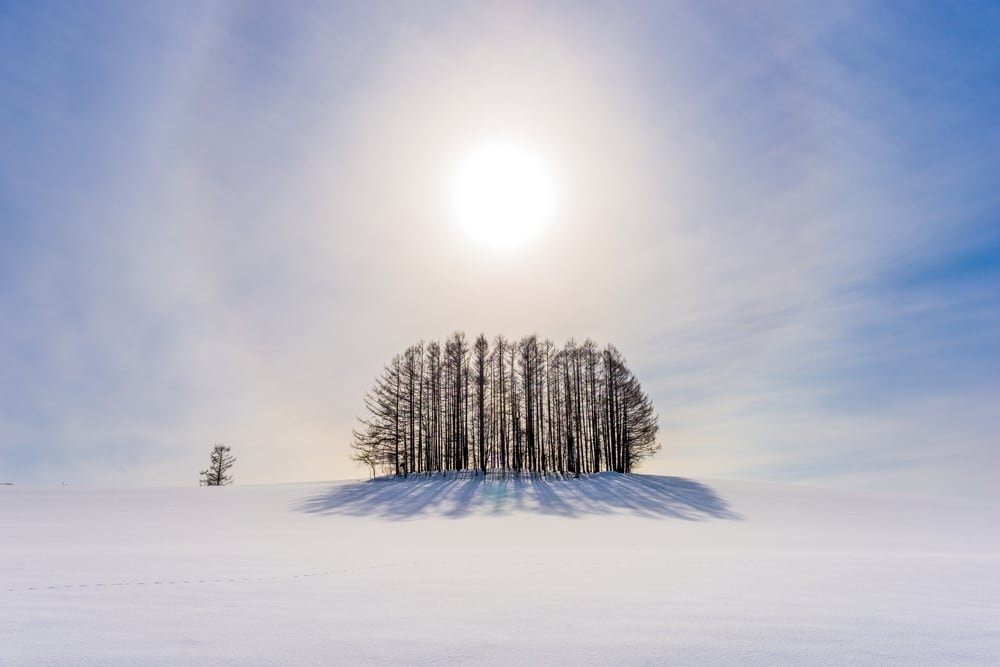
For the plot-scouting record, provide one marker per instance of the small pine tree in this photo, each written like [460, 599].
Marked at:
[217, 473]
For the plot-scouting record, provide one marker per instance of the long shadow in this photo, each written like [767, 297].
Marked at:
[459, 494]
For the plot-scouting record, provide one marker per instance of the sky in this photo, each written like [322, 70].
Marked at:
[218, 220]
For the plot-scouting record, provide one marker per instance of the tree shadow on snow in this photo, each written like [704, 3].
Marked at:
[459, 494]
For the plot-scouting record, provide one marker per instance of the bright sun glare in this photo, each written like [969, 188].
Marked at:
[503, 195]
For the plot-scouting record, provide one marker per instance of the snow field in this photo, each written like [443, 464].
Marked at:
[602, 570]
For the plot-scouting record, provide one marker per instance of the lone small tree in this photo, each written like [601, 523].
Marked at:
[217, 473]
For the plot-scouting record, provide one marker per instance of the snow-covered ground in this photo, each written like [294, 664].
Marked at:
[602, 570]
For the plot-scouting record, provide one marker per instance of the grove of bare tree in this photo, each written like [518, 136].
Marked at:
[524, 406]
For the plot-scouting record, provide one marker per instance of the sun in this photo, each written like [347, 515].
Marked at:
[503, 195]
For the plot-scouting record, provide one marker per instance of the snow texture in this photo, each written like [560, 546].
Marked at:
[607, 569]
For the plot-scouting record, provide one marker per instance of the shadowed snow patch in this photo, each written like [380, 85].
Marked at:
[461, 494]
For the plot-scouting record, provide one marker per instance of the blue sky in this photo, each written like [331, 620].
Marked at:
[216, 218]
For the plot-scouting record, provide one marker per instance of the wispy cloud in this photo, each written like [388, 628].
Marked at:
[217, 221]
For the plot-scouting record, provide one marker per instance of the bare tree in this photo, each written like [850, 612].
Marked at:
[481, 351]
[217, 473]
[366, 452]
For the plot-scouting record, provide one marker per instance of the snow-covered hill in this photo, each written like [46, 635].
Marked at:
[601, 570]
